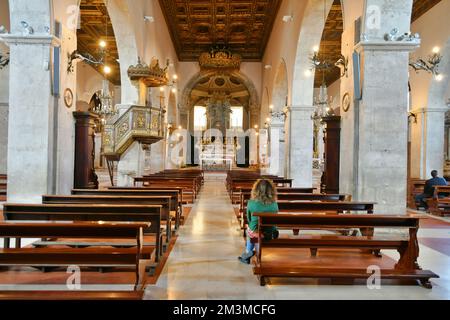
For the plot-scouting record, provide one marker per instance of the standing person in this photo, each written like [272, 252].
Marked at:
[263, 200]
[428, 190]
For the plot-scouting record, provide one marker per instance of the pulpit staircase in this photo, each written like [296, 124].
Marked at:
[138, 123]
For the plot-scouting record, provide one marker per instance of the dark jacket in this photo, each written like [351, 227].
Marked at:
[429, 185]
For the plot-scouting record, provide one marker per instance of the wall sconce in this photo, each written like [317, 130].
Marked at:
[27, 28]
[86, 57]
[342, 64]
[408, 36]
[431, 65]
[412, 115]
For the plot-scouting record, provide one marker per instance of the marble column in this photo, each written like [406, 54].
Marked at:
[383, 126]
[3, 137]
[131, 164]
[277, 148]
[301, 145]
[30, 127]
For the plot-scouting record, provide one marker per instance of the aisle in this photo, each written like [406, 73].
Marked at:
[203, 264]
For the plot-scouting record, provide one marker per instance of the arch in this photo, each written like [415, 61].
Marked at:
[186, 105]
[280, 90]
[310, 36]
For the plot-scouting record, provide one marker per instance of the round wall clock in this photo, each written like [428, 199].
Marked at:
[346, 102]
[68, 98]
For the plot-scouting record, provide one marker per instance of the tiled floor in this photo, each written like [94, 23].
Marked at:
[203, 263]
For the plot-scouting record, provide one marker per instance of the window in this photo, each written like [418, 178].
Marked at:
[199, 118]
[237, 117]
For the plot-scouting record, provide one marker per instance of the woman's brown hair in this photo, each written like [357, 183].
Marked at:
[264, 191]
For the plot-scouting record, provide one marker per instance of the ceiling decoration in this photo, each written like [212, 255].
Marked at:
[221, 85]
[420, 7]
[93, 17]
[330, 45]
[242, 26]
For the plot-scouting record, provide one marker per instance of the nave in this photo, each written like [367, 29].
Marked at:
[203, 263]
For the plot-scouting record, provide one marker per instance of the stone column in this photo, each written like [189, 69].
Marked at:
[301, 145]
[30, 127]
[277, 147]
[428, 143]
[383, 126]
[131, 164]
[3, 137]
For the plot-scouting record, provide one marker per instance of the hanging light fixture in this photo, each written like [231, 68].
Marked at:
[106, 107]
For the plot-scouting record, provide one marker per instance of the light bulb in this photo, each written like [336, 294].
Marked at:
[271, 107]
[268, 119]
[107, 69]
[161, 89]
[439, 77]
[256, 126]
[316, 48]
[436, 49]
[308, 73]
[102, 43]
[175, 77]
[174, 90]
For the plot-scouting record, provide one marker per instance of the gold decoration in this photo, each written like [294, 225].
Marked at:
[124, 127]
[151, 76]
[140, 121]
[220, 59]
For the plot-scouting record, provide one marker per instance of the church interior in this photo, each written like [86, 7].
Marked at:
[134, 134]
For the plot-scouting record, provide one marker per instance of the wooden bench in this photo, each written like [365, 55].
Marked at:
[88, 257]
[439, 204]
[188, 186]
[406, 268]
[3, 186]
[71, 295]
[163, 201]
[415, 187]
[236, 185]
[176, 198]
[89, 212]
[245, 197]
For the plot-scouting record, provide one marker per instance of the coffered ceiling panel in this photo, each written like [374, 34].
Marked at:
[243, 26]
[421, 7]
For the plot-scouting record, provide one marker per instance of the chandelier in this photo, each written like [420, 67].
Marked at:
[220, 60]
[106, 107]
[151, 75]
[431, 65]
[322, 105]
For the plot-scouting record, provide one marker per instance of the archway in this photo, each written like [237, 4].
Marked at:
[300, 161]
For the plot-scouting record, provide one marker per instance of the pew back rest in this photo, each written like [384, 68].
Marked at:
[85, 212]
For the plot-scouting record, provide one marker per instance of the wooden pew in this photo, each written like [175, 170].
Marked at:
[439, 204]
[176, 198]
[245, 197]
[89, 212]
[3, 186]
[406, 268]
[163, 201]
[188, 186]
[236, 185]
[88, 257]
[70, 295]
[415, 187]
[328, 207]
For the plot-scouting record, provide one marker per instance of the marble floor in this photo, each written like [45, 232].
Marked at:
[203, 264]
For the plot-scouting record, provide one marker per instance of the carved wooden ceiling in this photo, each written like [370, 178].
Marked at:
[94, 17]
[421, 7]
[243, 26]
[330, 45]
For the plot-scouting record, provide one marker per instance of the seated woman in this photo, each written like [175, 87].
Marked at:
[263, 200]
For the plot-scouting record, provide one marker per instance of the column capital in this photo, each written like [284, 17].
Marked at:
[33, 39]
[406, 46]
[425, 110]
[300, 108]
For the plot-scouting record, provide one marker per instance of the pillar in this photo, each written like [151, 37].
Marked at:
[301, 145]
[277, 147]
[383, 126]
[131, 164]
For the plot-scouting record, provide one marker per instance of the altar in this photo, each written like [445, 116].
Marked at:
[217, 157]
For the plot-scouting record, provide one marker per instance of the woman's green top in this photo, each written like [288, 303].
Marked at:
[254, 206]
